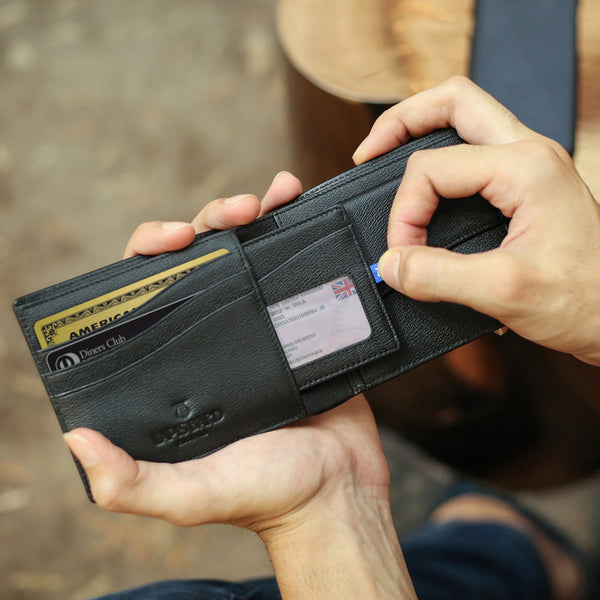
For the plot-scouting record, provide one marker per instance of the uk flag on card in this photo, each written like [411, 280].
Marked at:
[344, 288]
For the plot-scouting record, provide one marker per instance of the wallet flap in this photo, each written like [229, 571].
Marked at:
[321, 296]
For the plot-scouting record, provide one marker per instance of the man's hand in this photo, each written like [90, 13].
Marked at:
[261, 483]
[156, 237]
[316, 492]
[544, 280]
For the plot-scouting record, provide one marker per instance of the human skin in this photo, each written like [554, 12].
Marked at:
[317, 492]
[544, 280]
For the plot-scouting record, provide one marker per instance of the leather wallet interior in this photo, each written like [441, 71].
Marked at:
[273, 321]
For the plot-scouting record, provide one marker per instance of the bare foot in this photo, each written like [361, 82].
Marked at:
[566, 575]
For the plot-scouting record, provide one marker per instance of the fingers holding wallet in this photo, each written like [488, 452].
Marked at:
[478, 117]
[156, 237]
[185, 494]
[121, 484]
[257, 482]
[543, 281]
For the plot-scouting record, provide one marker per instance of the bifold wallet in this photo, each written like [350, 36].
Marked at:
[177, 355]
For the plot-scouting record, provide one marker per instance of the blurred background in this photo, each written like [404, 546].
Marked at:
[113, 113]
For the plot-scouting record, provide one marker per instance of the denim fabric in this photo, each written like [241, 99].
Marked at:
[449, 561]
[202, 589]
[475, 561]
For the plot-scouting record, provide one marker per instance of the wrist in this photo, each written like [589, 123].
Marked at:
[344, 546]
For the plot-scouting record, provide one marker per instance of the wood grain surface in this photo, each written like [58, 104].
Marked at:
[380, 51]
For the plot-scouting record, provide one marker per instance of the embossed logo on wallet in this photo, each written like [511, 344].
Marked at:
[191, 427]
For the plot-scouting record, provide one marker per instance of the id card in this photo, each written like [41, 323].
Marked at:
[320, 321]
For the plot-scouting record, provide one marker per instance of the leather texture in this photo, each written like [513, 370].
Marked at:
[213, 370]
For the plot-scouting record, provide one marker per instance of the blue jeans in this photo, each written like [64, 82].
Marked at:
[449, 561]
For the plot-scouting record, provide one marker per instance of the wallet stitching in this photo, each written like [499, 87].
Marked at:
[51, 376]
[276, 344]
[358, 173]
[394, 337]
[108, 274]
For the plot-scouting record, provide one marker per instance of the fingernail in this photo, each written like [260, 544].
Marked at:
[389, 265]
[501, 330]
[174, 225]
[357, 152]
[235, 199]
[278, 174]
[82, 449]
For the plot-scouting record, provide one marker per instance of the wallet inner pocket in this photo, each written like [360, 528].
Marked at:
[193, 394]
[191, 311]
[95, 300]
[321, 298]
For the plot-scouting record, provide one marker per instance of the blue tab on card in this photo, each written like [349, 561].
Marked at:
[375, 272]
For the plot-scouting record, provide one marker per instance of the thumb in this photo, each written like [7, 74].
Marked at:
[109, 469]
[120, 483]
[435, 275]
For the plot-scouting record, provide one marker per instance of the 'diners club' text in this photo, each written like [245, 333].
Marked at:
[110, 343]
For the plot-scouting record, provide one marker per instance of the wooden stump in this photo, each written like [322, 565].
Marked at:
[381, 51]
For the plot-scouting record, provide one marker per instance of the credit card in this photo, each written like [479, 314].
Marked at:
[320, 321]
[87, 317]
[107, 338]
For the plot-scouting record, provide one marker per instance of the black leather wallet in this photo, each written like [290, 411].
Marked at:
[286, 320]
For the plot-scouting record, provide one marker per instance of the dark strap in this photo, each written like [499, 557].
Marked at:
[524, 54]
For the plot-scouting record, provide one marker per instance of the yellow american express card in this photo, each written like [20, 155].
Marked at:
[89, 316]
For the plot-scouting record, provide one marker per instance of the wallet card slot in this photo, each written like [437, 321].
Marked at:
[313, 266]
[49, 316]
[156, 308]
[203, 276]
[193, 394]
[195, 309]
